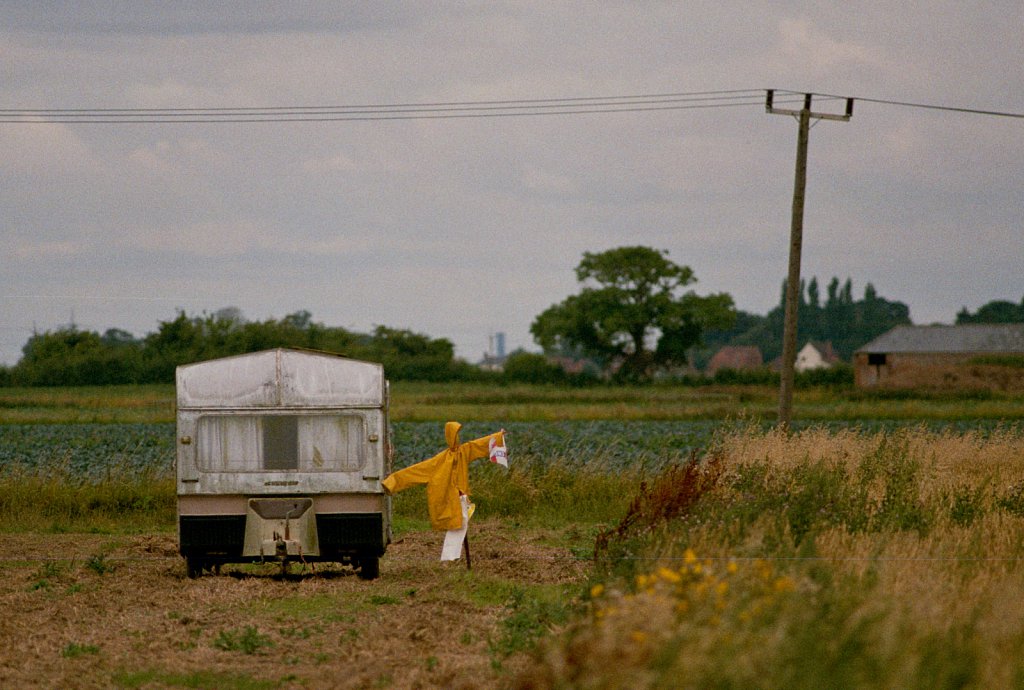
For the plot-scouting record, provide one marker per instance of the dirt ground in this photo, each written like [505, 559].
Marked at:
[101, 611]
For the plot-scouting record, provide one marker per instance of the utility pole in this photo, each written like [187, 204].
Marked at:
[796, 233]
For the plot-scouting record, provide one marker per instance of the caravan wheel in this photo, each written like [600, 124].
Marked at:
[193, 567]
[369, 566]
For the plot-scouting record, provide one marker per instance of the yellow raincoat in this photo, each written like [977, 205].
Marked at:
[446, 476]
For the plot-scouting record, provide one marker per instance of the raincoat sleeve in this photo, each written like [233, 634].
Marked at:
[414, 475]
[480, 447]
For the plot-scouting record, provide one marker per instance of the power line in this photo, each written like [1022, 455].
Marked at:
[927, 106]
[522, 102]
[435, 110]
[400, 111]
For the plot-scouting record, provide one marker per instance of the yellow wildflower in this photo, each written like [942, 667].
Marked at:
[669, 575]
[689, 557]
[732, 567]
[596, 591]
[638, 636]
[783, 584]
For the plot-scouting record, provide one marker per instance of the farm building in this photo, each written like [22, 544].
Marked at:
[736, 357]
[973, 356]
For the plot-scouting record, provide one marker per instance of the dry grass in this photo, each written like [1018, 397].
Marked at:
[810, 560]
[89, 611]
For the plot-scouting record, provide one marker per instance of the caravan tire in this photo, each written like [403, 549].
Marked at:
[193, 568]
[369, 567]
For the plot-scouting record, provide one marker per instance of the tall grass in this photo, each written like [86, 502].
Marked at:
[821, 559]
[57, 499]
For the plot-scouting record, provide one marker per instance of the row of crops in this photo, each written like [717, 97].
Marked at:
[96, 451]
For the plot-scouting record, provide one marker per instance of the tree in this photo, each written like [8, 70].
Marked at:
[996, 311]
[631, 313]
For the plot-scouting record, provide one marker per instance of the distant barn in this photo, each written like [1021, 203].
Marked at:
[737, 358]
[972, 356]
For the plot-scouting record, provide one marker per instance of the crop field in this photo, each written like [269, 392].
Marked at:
[632, 543]
[93, 451]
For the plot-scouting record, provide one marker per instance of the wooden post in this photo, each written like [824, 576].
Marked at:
[796, 234]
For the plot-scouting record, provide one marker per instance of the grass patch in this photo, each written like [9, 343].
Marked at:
[817, 559]
[74, 650]
[200, 680]
[531, 614]
[248, 640]
[58, 500]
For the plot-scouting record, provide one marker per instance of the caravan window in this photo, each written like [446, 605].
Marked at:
[279, 442]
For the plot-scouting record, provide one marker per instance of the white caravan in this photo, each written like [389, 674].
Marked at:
[280, 455]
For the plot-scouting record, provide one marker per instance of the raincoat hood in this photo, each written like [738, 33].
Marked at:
[451, 434]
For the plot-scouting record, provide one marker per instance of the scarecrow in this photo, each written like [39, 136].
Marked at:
[447, 478]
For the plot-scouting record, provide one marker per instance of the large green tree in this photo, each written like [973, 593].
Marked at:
[632, 313]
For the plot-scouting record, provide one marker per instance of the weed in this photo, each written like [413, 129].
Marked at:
[72, 650]
[303, 633]
[204, 680]
[530, 618]
[673, 493]
[247, 641]
[98, 564]
[967, 505]
[1013, 500]
[382, 600]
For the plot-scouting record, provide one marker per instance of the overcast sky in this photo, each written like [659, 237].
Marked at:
[459, 228]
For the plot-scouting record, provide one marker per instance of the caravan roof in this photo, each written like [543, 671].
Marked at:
[281, 378]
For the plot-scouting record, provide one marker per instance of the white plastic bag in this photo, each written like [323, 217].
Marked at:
[498, 454]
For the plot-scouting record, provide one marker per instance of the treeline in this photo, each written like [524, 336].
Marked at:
[996, 311]
[72, 357]
[835, 317]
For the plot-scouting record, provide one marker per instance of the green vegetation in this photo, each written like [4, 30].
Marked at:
[882, 551]
[73, 649]
[72, 357]
[996, 311]
[839, 319]
[818, 559]
[1012, 361]
[202, 680]
[248, 640]
[628, 296]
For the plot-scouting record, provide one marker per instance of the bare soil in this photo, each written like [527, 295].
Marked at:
[85, 611]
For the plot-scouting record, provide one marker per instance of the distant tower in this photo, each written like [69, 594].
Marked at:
[499, 345]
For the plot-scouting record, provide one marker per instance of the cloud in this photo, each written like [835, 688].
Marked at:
[803, 47]
[401, 223]
[31, 251]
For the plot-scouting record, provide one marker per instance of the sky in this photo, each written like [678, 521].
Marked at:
[463, 227]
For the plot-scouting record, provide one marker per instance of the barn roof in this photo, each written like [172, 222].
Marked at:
[996, 338]
[736, 357]
[280, 378]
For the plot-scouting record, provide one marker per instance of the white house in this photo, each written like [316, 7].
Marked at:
[815, 356]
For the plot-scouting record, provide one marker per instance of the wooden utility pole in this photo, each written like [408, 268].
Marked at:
[796, 234]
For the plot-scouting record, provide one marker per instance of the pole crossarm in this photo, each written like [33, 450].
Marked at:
[772, 110]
